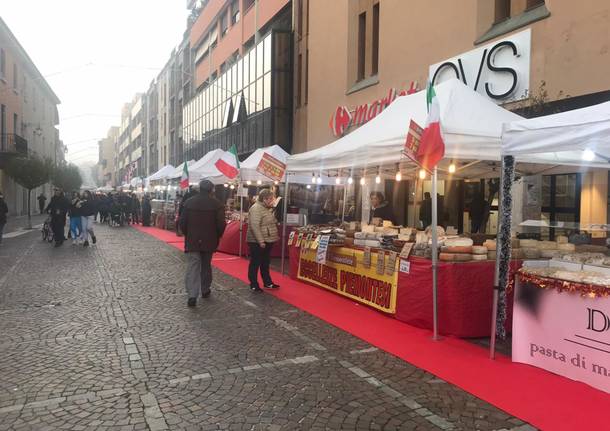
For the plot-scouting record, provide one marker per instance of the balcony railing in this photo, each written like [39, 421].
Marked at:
[13, 143]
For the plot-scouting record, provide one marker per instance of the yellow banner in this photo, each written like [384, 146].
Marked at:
[345, 274]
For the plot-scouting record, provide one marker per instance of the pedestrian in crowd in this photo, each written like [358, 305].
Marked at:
[103, 208]
[42, 199]
[58, 208]
[146, 210]
[425, 212]
[203, 224]
[262, 234]
[3, 213]
[88, 210]
[135, 208]
[75, 218]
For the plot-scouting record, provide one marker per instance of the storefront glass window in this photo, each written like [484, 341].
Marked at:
[267, 91]
[259, 60]
[267, 58]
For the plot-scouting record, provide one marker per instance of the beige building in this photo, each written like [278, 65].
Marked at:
[106, 168]
[28, 117]
[531, 56]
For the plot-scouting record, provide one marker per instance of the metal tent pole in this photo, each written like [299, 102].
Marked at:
[285, 218]
[241, 216]
[435, 336]
[344, 202]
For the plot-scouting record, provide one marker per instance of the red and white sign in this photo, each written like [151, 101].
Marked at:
[271, 167]
[413, 140]
[564, 333]
[343, 118]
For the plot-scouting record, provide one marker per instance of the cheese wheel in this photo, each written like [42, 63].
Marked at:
[516, 253]
[456, 249]
[490, 244]
[547, 254]
[455, 257]
[491, 255]
[458, 242]
[479, 256]
[561, 239]
[528, 243]
[515, 243]
[530, 253]
[546, 245]
[479, 250]
[566, 247]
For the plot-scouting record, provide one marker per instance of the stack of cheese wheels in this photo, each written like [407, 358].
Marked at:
[479, 252]
[530, 248]
[457, 250]
[490, 244]
[548, 249]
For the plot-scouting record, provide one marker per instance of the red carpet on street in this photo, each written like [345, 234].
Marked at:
[543, 399]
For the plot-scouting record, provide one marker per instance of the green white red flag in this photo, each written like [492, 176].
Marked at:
[432, 148]
[228, 164]
[184, 180]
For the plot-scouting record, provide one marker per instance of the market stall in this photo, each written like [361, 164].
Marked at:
[561, 307]
[471, 127]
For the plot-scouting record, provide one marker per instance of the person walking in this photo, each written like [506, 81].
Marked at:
[88, 209]
[75, 218]
[203, 224]
[3, 213]
[262, 234]
[146, 210]
[42, 199]
[135, 209]
[58, 208]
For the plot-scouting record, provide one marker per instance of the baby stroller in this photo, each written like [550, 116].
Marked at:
[47, 232]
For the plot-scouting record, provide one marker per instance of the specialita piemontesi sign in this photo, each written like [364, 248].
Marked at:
[344, 118]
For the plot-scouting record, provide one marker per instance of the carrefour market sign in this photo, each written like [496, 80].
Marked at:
[343, 118]
[499, 70]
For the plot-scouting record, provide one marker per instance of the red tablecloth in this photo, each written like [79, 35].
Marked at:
[465, 295]
[229, 242]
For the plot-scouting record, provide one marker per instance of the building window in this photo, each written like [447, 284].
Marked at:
[224, 23]
[300, 18]
[306, 76]
[560, 200]
[361, 45]
[534, 3]
[375, 56]
[502, 10]
[2, 63]
[248, 4]
[299, 79]
[15, 77]
[234, 12]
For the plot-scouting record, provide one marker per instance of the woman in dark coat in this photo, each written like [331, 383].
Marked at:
[380, 208]
[146, 211]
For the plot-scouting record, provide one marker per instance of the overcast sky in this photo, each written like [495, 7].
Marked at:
[95, 55]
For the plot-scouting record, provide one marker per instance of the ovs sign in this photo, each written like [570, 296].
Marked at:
[499, 70]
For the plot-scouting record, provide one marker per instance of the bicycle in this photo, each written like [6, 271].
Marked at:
[47, 232]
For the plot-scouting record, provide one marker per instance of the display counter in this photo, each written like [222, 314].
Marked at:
[465, 290]
[229, 243]
[562, 326]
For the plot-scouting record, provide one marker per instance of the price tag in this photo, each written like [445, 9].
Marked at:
[406, 250]
[308, 240]
[405, 266]
[380, 262]
[366, 262]
[390, 266]
[299, 239]
[291, 238]
[322, 248]
[315, 243]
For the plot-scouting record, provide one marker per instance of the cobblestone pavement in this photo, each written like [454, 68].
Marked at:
[101, 338]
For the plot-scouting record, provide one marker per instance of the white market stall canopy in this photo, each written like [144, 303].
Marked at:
[577, 137]
[471, 125]
[162, 173]
[205, 168]
[177, 172]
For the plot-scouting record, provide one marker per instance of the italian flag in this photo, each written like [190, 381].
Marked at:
[432, 148]
[228, 164]
[184, 180]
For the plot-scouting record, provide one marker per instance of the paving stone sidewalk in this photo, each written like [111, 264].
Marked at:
[101, 338]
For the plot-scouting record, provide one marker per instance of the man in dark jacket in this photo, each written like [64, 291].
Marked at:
[380, 208]
[42, 199]
[3, 213]
[203, 223]
[58, 208]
